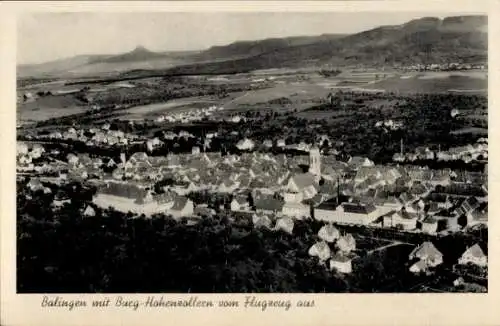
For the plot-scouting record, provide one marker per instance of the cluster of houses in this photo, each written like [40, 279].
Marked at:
[469, 153]
[389, 124]
[93, 136]
[189, 115]
[427, 256]
[25, 156]
[335, 248]
[353, 192]
[445, 66]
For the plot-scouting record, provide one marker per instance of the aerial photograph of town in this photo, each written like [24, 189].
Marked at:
[212, 152]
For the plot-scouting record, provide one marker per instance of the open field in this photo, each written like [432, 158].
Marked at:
[277, 90]
[432, 84]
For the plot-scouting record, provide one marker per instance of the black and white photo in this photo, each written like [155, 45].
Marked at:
[245, 152]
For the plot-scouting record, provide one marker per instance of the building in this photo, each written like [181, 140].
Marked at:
[474, 255]
[315, 163]
[341, 263]
[429, 225]
[328, 233]
[296, 210]
[428, 253]
[182, 207]
[401, 219]
[321, 250]
[267, 204]
[259, 220]
[89, 211]
[240, 203]
[284, 224]
[349, 213]
[245, 144]
[346, 243]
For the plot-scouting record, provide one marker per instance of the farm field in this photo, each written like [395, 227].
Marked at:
[432, 84]
[283, 91]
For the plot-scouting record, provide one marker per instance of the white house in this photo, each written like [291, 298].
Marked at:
[341, 263]
[245, 144]
[428, 253]
[474, 255]
[239, 203]
[320, 250]
[89, 211]
[284, 224]
[261, 221]
[346, 243]
[328, 233]
[182, 207]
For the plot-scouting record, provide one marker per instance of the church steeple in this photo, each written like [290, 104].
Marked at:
[315, 162]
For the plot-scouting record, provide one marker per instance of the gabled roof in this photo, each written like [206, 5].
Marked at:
[180, 203]
[328, 233]
[268, 203]
[303, 180]
[358, 208]
[474, 251]
[426, 249]
[285, 223]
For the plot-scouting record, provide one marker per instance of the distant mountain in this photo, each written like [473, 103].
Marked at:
[245, 49]
[424, 40]
[139, 58]
[140, 53]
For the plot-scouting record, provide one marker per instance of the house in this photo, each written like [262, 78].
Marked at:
[356, 162]
[195, 150]
[341, 263]
[182, 207]
[280, 143]
[227, 186]
[321, 250]
[245, 144]
[401, 219]
[328, 233]
[284, 224]
[89, 211]
[298, 182]
[185, 188]
[474, 255]
[72, 159]
[418, 267]
[21, 148]
[428, 253]
[296, 210]
[429, 225]
[35, 184]
[346, 243]
[259, 220]
[267, 204]
[468, 205]
[479, 215]
[268, 143]
[365, 172]
[240, 203]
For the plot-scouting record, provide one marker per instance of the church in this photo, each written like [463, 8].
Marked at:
[302, 186]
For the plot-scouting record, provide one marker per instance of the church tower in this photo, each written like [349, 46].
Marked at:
[315, 162]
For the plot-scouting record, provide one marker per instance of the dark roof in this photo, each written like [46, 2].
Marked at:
[180, 203]
[269, 203]
[358, 208]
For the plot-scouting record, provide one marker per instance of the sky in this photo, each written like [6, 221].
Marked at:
[44, 37]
